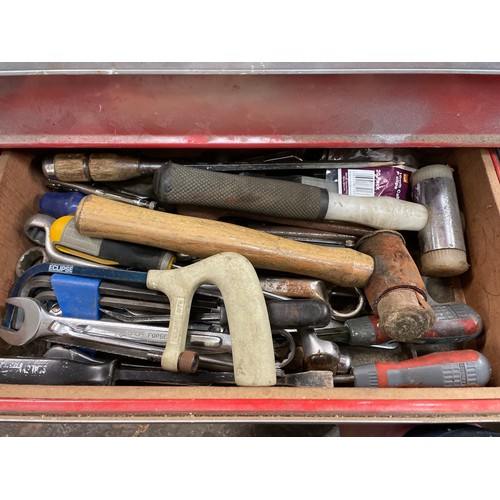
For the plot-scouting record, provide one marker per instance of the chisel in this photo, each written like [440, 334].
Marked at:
[110, 167]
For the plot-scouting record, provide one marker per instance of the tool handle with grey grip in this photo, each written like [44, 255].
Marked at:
[179, 185]
[464, 368]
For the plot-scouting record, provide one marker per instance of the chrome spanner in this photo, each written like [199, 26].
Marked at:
[37, 229]
[39, 323]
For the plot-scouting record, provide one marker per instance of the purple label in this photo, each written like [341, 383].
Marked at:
[381, 181]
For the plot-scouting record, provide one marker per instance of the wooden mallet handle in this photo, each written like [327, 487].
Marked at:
[103, 218]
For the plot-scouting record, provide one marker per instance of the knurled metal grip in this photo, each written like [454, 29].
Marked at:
[176, 184]
[249, 327]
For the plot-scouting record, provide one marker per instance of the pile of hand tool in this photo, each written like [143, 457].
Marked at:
[251, 272]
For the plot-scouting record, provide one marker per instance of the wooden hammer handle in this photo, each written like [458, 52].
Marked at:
[103, 218]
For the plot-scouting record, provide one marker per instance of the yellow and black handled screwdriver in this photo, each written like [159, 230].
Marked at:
[67, 239]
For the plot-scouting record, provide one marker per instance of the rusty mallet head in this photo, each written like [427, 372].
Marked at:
[396, 291]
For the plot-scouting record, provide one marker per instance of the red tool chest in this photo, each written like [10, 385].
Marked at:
[458, 112]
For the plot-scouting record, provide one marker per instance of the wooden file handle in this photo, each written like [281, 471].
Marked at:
[103, 218]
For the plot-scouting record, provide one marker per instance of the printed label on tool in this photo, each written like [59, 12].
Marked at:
[382, 181]
[361, 182]
[176, 323]
[39, 368]
[61, 268]
[160, 337]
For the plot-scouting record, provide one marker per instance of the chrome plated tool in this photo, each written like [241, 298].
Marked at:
[38, 323]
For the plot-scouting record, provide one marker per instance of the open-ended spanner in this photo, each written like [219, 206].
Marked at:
[37, 229]
[39, 323]
[114, 277]
[115, 337]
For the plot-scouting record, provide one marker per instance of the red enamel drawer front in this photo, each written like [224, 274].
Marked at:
[242, 111]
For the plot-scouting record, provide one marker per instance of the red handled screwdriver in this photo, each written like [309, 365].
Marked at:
[454, 323]
[465, 368]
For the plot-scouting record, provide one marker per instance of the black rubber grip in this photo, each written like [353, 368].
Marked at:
[139, 257]
[179, 185]
[299, 313]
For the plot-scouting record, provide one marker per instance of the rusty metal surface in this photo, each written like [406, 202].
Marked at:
[394, 266]
[291, 110]
[396, 291]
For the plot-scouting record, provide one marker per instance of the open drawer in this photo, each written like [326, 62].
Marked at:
[479, 193]
[259, 111]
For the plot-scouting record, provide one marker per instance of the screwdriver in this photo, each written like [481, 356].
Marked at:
[106, 167]
[465, 368]
[59, 204]
[109, 252]
[454, 323]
